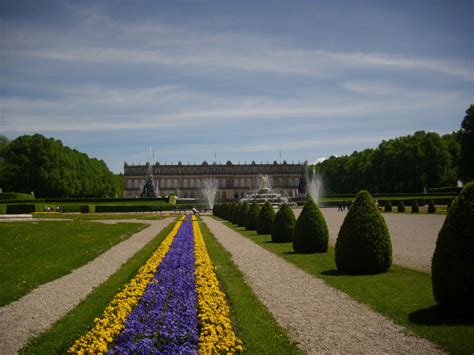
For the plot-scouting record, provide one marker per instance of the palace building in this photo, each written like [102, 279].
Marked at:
[234, 180]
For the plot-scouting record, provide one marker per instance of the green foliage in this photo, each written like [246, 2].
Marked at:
[466, 137]
[15, 196]
[403, 164]
[388, 206]
[283, 225]
[252, 217]
[235, 212]
[400, 206]
[88, 209]
[431, 207]
[3, 209]
[452, 267]
[414, 207]
[265, 219]
[22, 208]
[45, 166]
[172, 199]
[363, 245]
[3, 144]
[244, 209]
[131, 208]
[311, 233]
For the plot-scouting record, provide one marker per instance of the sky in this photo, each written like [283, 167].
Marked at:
[233, 80]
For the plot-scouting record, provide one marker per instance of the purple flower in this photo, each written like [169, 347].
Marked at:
[165, 320]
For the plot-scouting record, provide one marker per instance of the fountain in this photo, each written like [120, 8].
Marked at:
[264, 194]
[149, 189]
[315, 186]
[209, 191]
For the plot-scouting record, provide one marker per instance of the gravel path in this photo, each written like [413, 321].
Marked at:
[38, 310]
[319, 318]
[413, 236]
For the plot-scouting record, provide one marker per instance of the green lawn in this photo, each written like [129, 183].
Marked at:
[101, 216]
[33, 253]
[401, 294]
[63, 333]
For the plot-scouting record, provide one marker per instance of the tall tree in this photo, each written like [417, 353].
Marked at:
[466, 137]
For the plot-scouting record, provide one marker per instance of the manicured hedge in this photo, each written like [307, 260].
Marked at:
[130, 208]
[3, 209]
[87, 208]
[22, 208]
[70, 208]
[15, 196]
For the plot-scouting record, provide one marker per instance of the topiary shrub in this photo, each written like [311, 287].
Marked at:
[388, 206]
[431, 207]
[244, 209]
[252, 217]
[283, 225]
[311, 232]
[452, 266]
[363, 245]
[414, 207]
[234, 218]
[265, 219]
[400, 206]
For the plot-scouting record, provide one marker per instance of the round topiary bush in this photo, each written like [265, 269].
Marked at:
[363, 245]
[388, 206]
[243, 214]
[283, 225]
[431, 207]
[452, 266]
[252, 217]
[414, 207]
[400, 206]
[311, 233]
[265, 219]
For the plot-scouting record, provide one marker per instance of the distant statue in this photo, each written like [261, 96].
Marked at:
[264, 184]
[148, 189]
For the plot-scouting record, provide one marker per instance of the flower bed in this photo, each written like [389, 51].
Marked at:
[174, 305]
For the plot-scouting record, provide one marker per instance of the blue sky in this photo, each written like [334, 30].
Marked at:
[242, 79]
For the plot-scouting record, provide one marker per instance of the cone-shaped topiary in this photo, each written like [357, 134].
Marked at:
[363, 245]
[243, 214]
[311, 232]
[388, 206]
[400, 206]
[236, 213]
[452, 267]
[414, 207]
[283, 225]
[431, 207]
[265, 219]
[252, 217]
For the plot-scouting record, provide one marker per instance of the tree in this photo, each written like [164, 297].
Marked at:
[283, 225]
[3, 144]
[452, 267]
[363, 245]
[311, 233]
[243, 214]
[466, 137]
[265, 219]
[47, 167]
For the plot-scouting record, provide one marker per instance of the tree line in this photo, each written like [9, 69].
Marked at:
[44, 166]
[405, 164]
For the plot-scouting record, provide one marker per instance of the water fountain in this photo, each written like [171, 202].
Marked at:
[264, 194]
[315, 186]
[210, 188]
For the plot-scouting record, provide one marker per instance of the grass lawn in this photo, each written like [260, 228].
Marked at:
[253, 323]
[100, 216]
[33, 253]
[401, 294]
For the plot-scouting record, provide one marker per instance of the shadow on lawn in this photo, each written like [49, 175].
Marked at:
[435, 315]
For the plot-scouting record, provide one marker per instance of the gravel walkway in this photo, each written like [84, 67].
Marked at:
[38, 310]
[319, 318]
[413, 236]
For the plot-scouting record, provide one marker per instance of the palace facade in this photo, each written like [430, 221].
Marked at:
[234, 180]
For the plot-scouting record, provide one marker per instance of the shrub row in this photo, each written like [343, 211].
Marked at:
[15, 196]
[23, 208]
